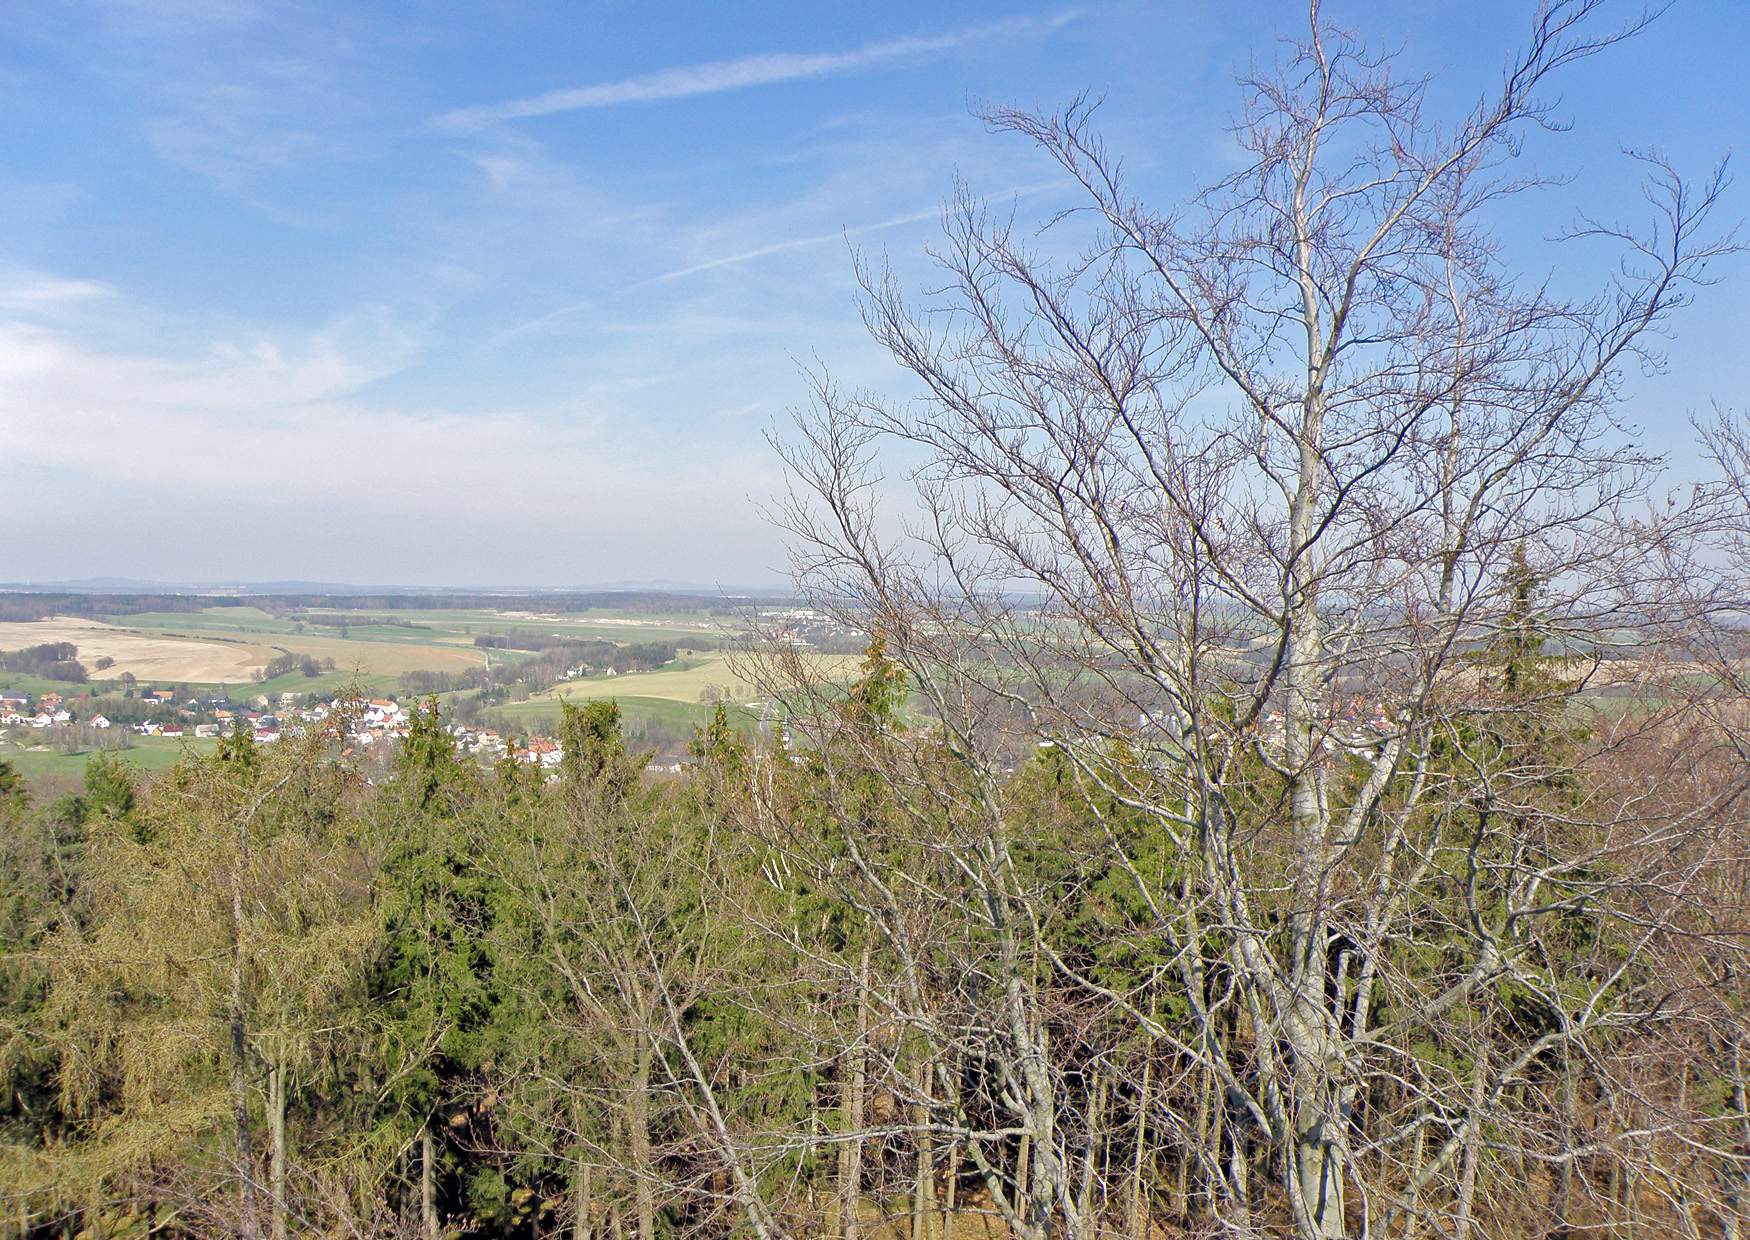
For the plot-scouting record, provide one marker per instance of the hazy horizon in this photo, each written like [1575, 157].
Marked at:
[268, 586]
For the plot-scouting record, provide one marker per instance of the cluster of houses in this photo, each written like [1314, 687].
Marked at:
[803, 627]
[377, 722]
[49, 710]
[483, 743]
[539, 751]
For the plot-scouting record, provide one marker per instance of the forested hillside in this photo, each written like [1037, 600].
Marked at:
[854, 986]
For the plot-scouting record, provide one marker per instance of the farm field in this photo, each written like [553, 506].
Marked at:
[665, 702]
[444, 637]
[688, 677]
[604, 624]
[252, 622]
[226, 621]
[384, 658]
[148, 655]
[228, 645]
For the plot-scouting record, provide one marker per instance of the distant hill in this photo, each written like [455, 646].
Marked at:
[21, 602]
[262, 589]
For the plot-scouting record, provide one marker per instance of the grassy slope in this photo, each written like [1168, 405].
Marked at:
[18, 682]
[328, 684]
[664, 701]
[50, 773]
[639, 714]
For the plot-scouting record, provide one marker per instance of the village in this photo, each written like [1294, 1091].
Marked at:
[371, 724]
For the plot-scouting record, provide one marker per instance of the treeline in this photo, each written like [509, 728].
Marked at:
[345, 620]
[285, 664]
[592, 652]
[50, 660]
[30, 605]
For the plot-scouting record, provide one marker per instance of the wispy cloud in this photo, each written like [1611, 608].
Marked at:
[722, 75]
[777, 247]
[26, 291]
[795, 243]
[844, 234]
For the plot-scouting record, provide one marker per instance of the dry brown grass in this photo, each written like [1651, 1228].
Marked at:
[148, 656]
[211, 660]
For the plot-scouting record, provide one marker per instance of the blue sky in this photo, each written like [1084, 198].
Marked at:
[506, 294]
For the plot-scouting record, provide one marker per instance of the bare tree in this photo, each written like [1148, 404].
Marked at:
[1305, 531]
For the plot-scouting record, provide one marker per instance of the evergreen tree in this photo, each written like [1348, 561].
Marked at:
[594, 751]
[219, 962]
[433, 981]
[878, 694]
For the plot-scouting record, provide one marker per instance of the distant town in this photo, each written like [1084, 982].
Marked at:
[145, 676]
